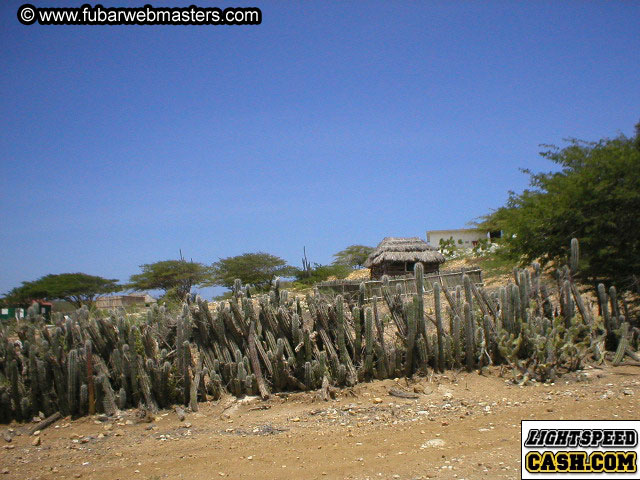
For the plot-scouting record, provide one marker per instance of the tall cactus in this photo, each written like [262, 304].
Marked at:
[368, 336]
[469, 333]
[574, 257]
[439, 328]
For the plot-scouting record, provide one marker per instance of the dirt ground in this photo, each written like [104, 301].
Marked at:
[460, 426]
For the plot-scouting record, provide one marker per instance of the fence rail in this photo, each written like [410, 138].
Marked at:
[373, 288]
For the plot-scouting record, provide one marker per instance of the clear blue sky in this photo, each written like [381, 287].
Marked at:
[332, 123]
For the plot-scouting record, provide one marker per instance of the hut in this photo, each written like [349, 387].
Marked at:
[397, 256]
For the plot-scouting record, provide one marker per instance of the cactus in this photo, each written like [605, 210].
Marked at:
[609, 322]
[623, 344]
[308, 376]
[613, 297]
[439, 328]
[357, 324]
[469, 333]
[466, 281]
[368, 336]
[72, 380]
[574, 257]
[412, 329]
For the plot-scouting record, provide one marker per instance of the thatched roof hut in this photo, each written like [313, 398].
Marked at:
[397, 256]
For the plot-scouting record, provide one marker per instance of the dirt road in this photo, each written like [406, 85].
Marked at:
[463, 426]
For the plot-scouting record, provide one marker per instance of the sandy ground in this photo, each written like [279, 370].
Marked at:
[461, 426]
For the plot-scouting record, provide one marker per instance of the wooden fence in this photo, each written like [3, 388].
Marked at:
[373, 288]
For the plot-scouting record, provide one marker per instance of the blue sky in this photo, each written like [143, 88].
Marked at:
[330, 124]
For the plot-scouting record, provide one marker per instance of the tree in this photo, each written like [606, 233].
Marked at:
[320, 273]
[595, 197]
[75, 288]
[353, 256]
[257, 269]
[172, 276]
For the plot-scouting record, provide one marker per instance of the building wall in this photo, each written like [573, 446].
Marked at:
[119, 301]
[469, 236]
[400, 268]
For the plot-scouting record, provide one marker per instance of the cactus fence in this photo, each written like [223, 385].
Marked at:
[350, 289]
[92, 363]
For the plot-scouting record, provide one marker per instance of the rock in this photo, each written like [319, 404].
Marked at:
[119, 432]
[36, 433]
[180, 413]
[627, 391]
[36, 441]
[5, 471]
[7, 438]
[433, 443]
[377, 400]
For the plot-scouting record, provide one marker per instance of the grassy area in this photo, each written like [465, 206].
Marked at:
[494, 265]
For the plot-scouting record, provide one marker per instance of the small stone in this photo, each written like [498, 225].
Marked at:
[627, 391]
[36, 433]
[77, 475]
[187, 425]
[377, 400]
[295, 419]
[36, 441]
[119, 432]
[434, 442]
[5, 471]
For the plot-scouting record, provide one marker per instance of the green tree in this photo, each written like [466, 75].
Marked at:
[256, 269]
[320, 273]
[353, 256]
[595, 197]
[75, 288]
[173, 276]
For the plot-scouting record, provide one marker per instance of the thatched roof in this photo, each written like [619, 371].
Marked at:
[413, 249]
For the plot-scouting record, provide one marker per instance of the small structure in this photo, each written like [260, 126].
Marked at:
[397, 256]
[18, 312]
[116, 301]
[462, 237]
